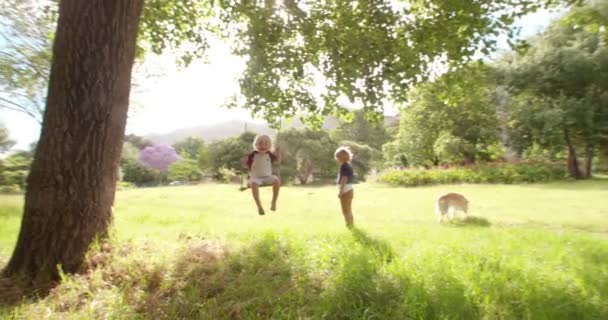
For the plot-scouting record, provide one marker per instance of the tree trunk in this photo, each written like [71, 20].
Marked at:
[70, 189]
[573, 167]
[588, 161]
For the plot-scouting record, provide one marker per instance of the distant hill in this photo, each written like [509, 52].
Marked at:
[211, 133]
[233, 128]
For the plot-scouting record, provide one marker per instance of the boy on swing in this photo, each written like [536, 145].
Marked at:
[259, 164]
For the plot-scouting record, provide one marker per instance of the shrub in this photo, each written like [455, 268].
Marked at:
[11, 189]
[227, 175]
[121, 185]
[137, 173]
[185, 170]
[486, 173]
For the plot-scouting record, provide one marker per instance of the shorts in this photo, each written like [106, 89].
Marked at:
[348, 187]
[267, 180]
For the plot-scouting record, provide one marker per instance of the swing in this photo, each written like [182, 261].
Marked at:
[246, 185]
[245, 179]
[245, 175]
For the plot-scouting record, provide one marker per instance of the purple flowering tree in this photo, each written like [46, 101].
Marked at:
[158, 157]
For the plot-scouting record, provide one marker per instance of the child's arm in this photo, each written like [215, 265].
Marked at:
[343, 182]
[248, 161]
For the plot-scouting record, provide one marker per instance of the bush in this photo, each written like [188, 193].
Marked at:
[185, 170]
[12, 189]
[17, 178]
[227, 175]
[487, 173]
[136, 173]
[121, 185]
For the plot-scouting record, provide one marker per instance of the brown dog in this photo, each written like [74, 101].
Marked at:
[450, 203]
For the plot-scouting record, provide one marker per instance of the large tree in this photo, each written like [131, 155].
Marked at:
[229, 153]
[450, 120]
[190, 147]
[561, 81]
[305, 152]
[71, 185]
[366, 50]
[362, 130]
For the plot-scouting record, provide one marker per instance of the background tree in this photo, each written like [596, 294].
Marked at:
[158, 157]
[137, 141]
[394, 155]
[132, 170]
[129, 152]
[26, 33]
[5, 142]
[14, 169]
[564, 72]
[452, 119]
[230, 153]
[184, 170]
[194, 149]
[189, 147]
[135, 172]
[362, 130]
[307, 152]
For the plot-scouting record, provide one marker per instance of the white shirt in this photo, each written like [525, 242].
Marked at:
[261, 165]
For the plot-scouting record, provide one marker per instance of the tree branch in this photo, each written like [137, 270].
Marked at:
[10, 105]
[24, 55]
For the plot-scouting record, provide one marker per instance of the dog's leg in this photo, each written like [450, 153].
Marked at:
[451, 213]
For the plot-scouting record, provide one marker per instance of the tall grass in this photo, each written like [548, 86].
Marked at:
[530, 252]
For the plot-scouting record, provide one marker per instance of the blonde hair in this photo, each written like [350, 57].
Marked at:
[343, 150]
[259, 137]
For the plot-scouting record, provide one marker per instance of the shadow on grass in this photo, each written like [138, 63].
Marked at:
[353, 276]
[471, 221]
[373, 284]
[276, 278]
[380, 248]
[264, 280]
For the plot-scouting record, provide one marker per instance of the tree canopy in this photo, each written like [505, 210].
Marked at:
[560, 86]
[450, 120]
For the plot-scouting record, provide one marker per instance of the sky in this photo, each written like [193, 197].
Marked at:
[177, 98]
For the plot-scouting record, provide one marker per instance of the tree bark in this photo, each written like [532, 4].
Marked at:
[70, 189]
[587, 165]
[573, 166]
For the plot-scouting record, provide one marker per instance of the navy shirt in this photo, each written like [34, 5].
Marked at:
[346, 171]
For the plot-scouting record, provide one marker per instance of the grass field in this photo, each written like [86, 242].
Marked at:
[202, 252]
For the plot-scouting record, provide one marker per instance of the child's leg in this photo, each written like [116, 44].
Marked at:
[276, 186]
[346, 203]
[255, 190]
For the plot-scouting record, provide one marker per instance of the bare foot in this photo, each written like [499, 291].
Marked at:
[273, 207]
[261, 211]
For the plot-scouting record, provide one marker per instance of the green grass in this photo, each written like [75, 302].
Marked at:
[529, 252]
